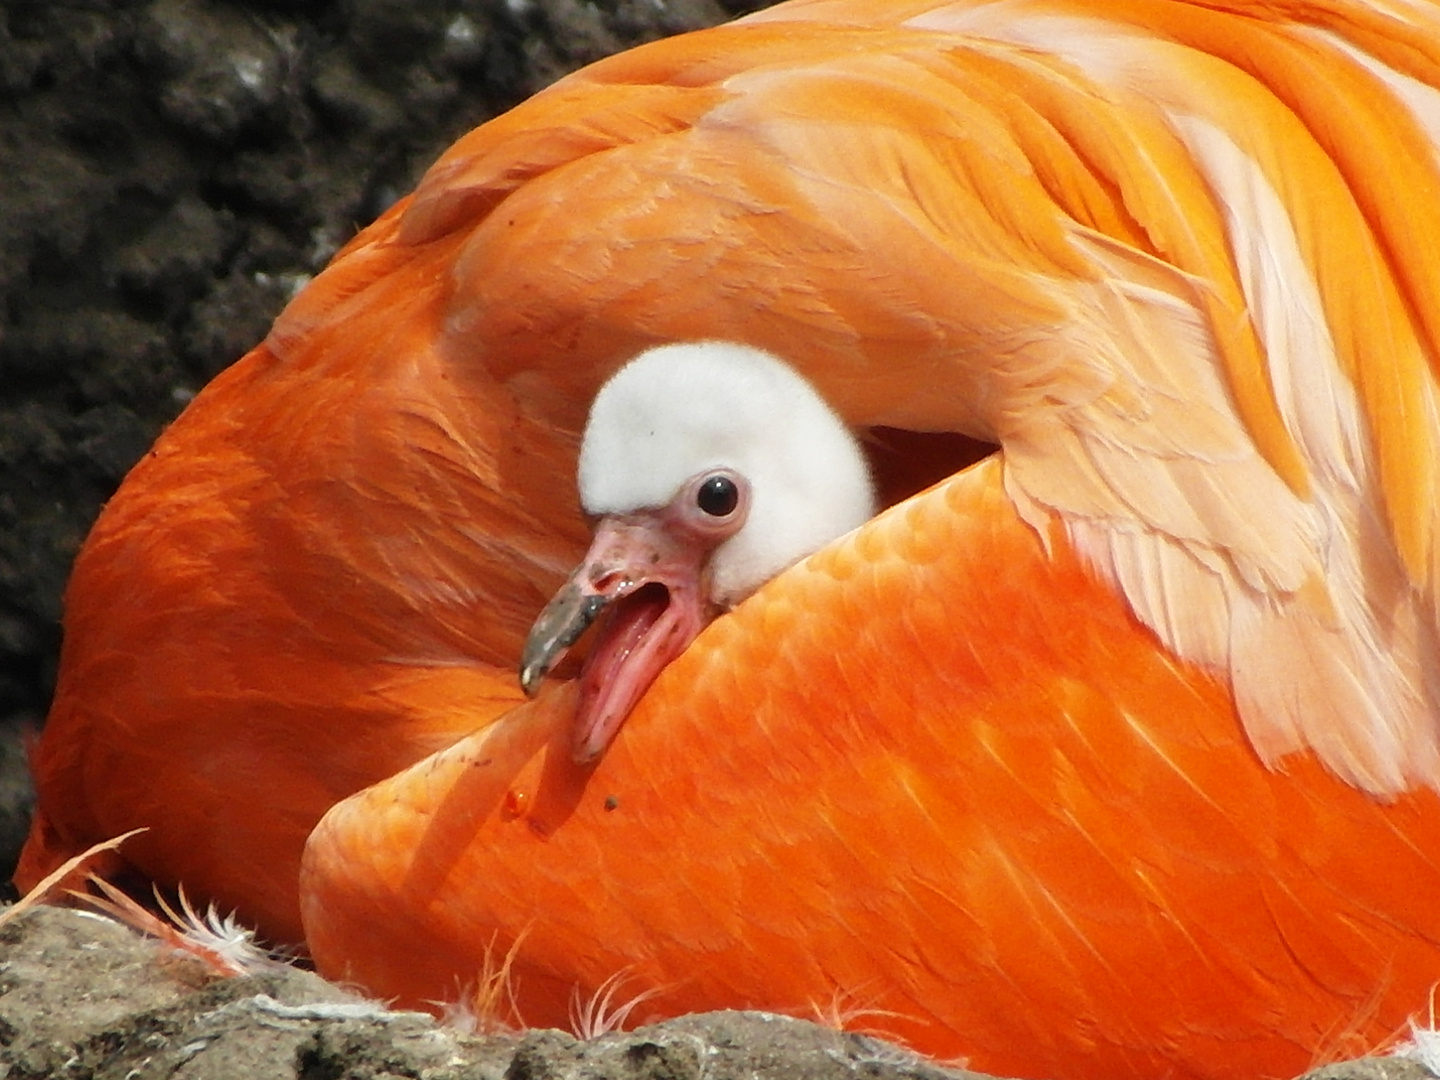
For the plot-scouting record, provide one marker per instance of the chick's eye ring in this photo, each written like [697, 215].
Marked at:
[718, 495]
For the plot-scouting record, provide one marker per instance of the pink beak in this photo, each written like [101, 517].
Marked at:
[645, 578]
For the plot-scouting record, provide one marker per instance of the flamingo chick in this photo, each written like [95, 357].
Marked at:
[711, 467]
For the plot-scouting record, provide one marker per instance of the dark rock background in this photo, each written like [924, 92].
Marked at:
[171, 171]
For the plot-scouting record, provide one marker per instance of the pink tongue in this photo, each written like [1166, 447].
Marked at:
[634, 642]
[622, 628]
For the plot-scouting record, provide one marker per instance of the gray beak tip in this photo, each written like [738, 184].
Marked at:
[532, 674]
[564, 619]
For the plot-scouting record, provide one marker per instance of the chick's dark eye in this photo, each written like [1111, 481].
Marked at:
[718, 496]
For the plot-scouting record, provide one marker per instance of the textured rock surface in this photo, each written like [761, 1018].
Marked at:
[84, 998]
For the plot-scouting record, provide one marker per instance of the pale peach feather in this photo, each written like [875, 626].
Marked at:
[1255, 513]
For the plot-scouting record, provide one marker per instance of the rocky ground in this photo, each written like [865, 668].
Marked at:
[86, 999]
[142, 1011]
[171, 171]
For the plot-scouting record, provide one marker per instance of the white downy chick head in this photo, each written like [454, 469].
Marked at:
[681, 410]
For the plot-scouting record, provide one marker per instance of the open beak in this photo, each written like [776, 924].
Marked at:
[643, 581]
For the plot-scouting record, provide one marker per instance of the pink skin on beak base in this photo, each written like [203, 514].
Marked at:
[642, 578]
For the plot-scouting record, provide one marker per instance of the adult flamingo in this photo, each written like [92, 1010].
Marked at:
[1114, 755]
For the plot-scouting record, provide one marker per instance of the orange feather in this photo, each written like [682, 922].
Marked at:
[998, 816]
[1114, 755]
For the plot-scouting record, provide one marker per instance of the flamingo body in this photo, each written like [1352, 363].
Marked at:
[1115, 755]
[1092, 869]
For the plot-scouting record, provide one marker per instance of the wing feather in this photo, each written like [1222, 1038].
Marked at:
[1179, 260]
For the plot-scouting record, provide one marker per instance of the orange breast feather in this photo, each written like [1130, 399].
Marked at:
[1113, 755]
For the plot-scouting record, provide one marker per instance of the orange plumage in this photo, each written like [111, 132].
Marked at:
[1115, 755]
